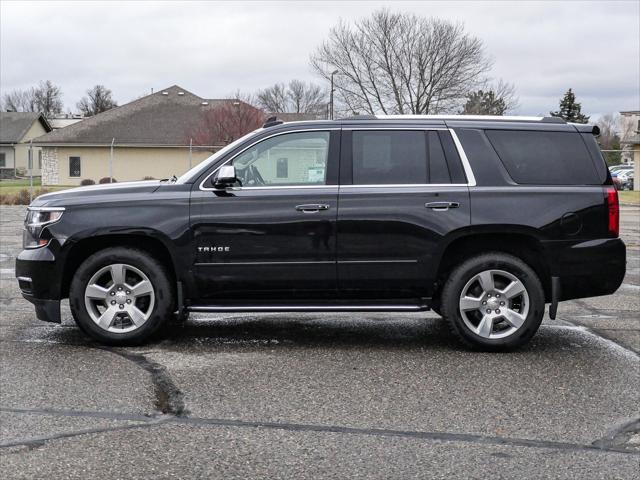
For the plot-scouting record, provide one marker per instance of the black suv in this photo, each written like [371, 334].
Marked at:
[482, 219]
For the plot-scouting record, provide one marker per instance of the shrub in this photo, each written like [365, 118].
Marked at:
[107, 180]
[22, 197]
[87, 181]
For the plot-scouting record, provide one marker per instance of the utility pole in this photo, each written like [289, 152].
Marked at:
[30, 171]
[190, 152]
[111, 161]
[331, 96]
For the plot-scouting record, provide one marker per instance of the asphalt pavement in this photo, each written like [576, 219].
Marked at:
[371, 395]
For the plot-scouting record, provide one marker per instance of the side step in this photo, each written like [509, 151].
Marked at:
[309, 308]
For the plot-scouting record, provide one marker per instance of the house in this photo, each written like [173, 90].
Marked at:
[16, 130]
[630, 141]
[151, 138]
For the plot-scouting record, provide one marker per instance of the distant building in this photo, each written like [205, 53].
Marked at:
[151, 138]
[630, 142]
[16, 130]
[64, 120]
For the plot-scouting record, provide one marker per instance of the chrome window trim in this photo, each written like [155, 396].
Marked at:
[405, 185]
[379, 128]
[279, 187]
[471, 179]
[276, 134]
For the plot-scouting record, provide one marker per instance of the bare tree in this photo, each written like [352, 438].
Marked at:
[45, 98]
[98, 100]
[225, 123]
[609, 125]
[20, 101]
[507, 92]
[48, 98]
[401, 63]
[273, 98]
[296, 97]
[306, 97]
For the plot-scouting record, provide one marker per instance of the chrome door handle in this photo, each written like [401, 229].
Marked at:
[441, 206]
[312, 207]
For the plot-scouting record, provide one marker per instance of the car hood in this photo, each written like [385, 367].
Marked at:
[94, 193]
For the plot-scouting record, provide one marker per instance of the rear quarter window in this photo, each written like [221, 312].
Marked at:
[544, 158]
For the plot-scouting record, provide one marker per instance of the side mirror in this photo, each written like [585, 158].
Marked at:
[226, 176]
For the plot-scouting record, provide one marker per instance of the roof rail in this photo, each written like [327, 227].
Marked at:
[553, 120]
[496, 118]
[272, 122]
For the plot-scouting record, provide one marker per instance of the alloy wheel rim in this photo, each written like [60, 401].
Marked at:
[494, 304]
[119, 298]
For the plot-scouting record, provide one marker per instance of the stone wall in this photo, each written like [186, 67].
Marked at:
[50, 169]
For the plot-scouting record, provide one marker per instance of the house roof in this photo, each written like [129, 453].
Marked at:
[163, 118]
[15, 125]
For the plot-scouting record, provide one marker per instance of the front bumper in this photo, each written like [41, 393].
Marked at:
[39, 278]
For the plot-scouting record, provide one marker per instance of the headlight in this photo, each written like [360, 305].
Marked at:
[34, 225]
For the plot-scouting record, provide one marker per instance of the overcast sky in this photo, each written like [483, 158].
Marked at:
[215, 48]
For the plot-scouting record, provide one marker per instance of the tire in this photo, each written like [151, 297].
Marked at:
[121, 296]
[511, 292]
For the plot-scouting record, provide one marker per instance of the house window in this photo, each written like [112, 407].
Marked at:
[39, 159]
[3, 160]
[282, 168]
[74, 166]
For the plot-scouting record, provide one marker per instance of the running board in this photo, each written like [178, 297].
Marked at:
[308, 308]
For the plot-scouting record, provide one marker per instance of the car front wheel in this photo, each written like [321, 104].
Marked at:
[121, 296]
[493, 301]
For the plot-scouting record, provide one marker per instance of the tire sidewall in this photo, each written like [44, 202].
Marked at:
[496, 261]
[163, 303]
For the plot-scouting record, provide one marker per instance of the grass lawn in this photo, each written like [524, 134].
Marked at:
[629, 197]
[14, 186]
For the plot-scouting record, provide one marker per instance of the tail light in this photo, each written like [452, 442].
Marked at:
[613, 209]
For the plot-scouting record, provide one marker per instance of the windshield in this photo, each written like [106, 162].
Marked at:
[202, 166]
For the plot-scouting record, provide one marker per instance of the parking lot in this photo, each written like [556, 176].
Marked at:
[322, 395]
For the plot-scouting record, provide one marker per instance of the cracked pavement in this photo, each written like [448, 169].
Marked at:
[321, 395]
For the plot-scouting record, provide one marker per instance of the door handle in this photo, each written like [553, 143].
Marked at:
[312, 207]
[441, 206]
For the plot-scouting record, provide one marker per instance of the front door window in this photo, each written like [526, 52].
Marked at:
[292, 159]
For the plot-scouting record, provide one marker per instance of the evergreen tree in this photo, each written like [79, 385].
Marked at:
[484, 103]
[570, 109]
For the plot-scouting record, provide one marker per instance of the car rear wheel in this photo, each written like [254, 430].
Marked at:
[493, 301]
[121, 296]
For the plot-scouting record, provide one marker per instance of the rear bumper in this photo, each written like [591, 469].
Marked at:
[39, 279]
[587, 269]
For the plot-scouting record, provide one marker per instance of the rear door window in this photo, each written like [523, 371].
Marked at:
[544, 158]
[401, 157]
